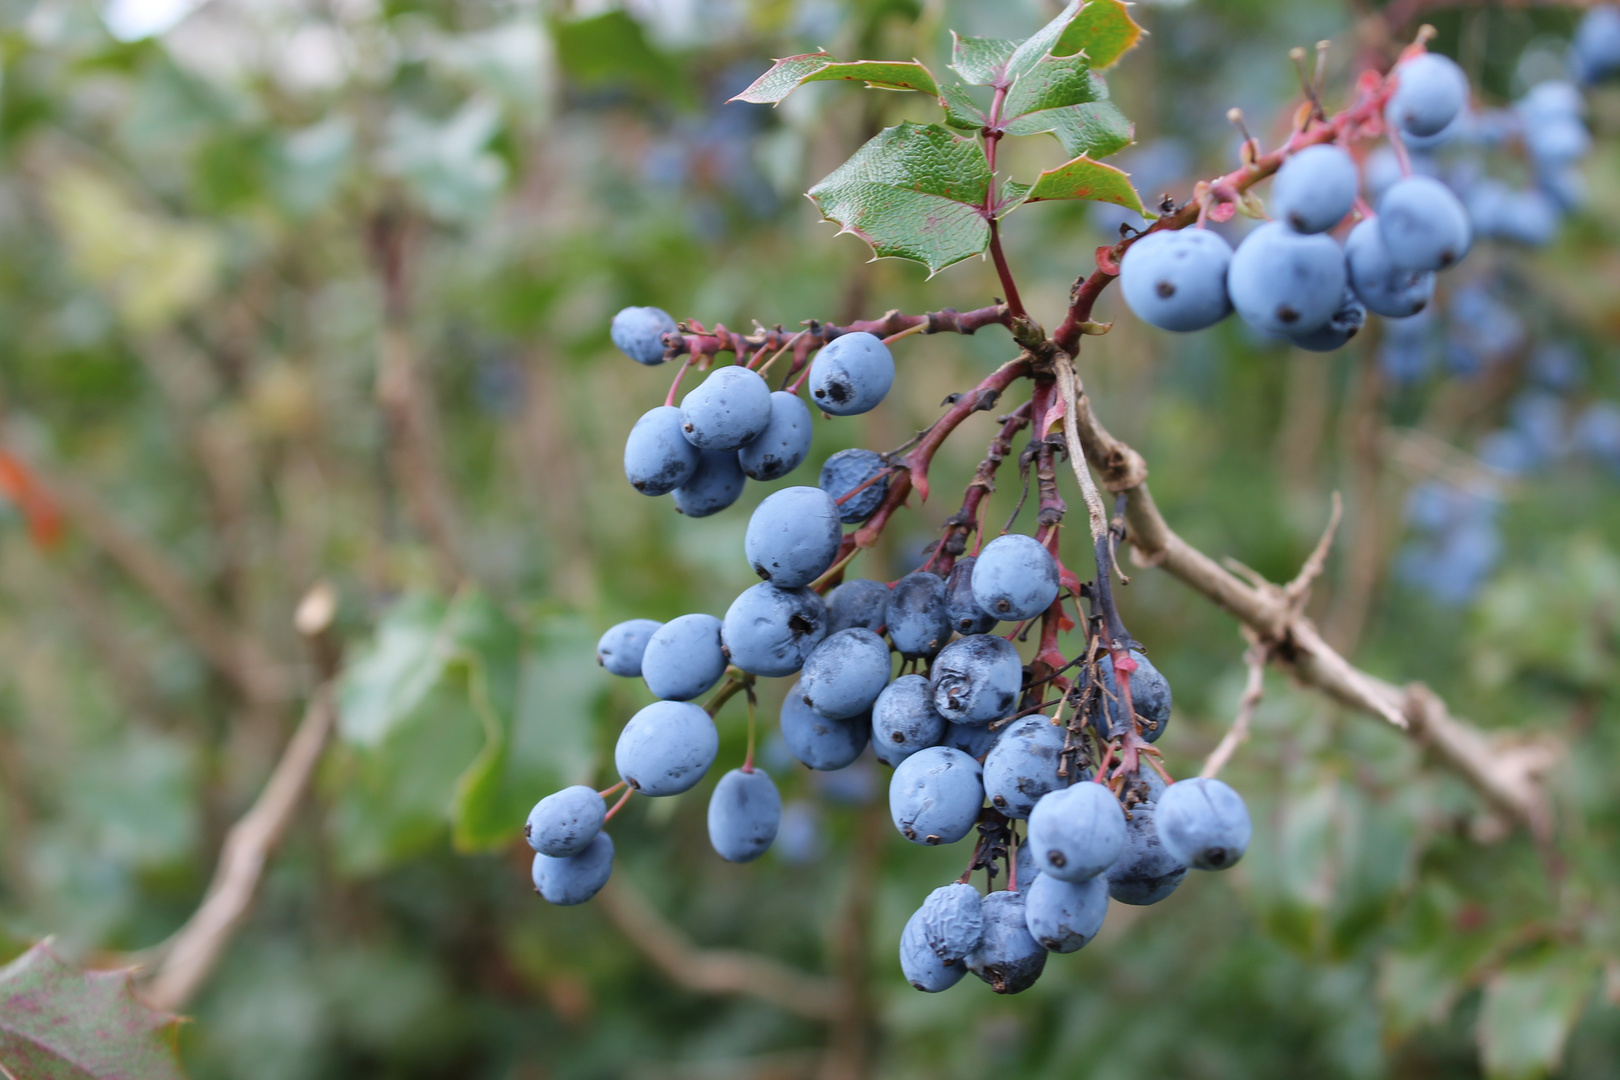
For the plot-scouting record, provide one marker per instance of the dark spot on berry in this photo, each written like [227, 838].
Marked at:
[1286, 314]
[762, 572]
[687, 427]
[1447, 257]
[1421, 305]
[528, 830]
[1297, 221]
[840, 391]
[806, 699]
[999, 800]
[1055, 857]
[821, 393]
[633, 782]
[799, 624]
[1216, 857]
[1003, 606]
[910, 833]
[1165, 290]
[930, 839]
[897, 737]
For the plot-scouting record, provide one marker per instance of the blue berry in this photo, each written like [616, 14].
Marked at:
[846, 673]
[727, 411]
[904, 720]
[1145, 872]
[1283, 282]
[621, 648]
[1431, 90]
[639, 333]
[744, 814]
[577, 878]
[1315, 189]
[1423, 225]
[851, 374]
[770, 631]
[1175, 279]
[713, 487]
[849, 469]
[564, 823]
[1385, 288]
[918, 622]
[1595, 52]
[784, 443]
[976, 679]
[1076, 832]
[964, 611]
[666, 748]
[683, 659]
[793, 536]
[921, 966]
[935, 796]
[1023, 765]
[822, 744]
[1007, 958]
[861, 602]
[1014, 577]
[952, 920]
[1344, 324]
[1150, 697]
[1204, 823]
[1063, 916]
[657, 457]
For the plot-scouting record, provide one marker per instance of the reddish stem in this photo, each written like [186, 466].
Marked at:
[628, 791]
[674, 387]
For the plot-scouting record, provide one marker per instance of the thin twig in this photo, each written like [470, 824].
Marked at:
[1255, 658]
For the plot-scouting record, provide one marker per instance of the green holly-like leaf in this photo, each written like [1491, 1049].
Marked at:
[787, 75]
[961, 111]
[1103, 30]
[1032, 49]
[1084, 178]
[60, 1023]
[1063, 96]
[913, 192]
[981, 61]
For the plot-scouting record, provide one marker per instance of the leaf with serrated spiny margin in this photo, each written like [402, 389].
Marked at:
[60, 1023]
[912, 192]
[961, 111]
[783, 78]
[1042, 42]
[788, 75]
[1009, 197]
[1054, 81]
[1094, 129]
[1104, 30]
[980, 61]
[1084, 178]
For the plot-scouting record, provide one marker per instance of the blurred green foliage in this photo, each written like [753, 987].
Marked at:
[217, 249]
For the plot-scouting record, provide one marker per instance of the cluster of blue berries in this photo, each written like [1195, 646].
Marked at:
[913, 671]
[1289, 278]
[732, 427]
